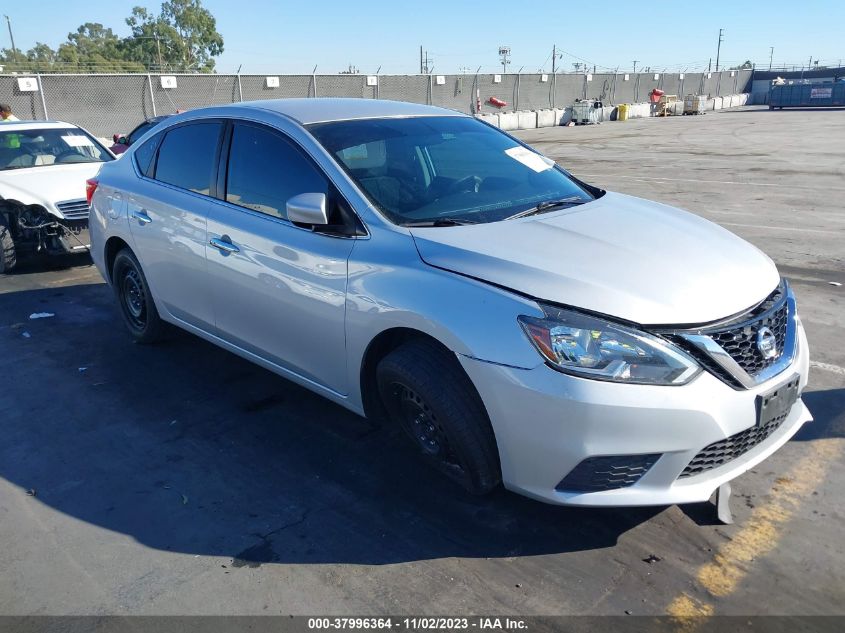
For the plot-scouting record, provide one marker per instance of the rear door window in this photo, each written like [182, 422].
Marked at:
[188, 156]
[145, 154]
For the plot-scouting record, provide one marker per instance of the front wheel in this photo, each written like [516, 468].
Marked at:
[428, 395]
[136, 303]
[8, 253]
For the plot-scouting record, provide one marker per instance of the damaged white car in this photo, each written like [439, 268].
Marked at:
[44, 166]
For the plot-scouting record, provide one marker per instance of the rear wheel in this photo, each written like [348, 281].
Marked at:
[136, 303]
[428, 395]
[8, 253]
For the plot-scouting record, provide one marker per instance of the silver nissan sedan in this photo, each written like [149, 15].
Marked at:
[419, 266]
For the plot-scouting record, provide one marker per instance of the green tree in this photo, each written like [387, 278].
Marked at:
[747, 65]
[95, 48]
[183, 36]
[12, 60]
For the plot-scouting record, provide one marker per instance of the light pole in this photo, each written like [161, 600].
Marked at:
[771, 56]
[12, 37]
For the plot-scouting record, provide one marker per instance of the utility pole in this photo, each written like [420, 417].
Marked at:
[554, 57]
[719, 47]
[635, 66]
[12, 37]
[425, 63]
[158, 47]
[505, 56]
[771, 56]
[810, 63]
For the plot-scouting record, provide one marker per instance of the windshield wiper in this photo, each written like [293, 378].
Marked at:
[440, 222]
[548, 205]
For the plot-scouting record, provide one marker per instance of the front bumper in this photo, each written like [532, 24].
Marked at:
[75, 237]
[547, 422]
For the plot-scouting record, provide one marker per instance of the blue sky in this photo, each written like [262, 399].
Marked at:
[267, 36]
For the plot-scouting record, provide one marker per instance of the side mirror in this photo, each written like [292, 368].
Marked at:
[308, 208]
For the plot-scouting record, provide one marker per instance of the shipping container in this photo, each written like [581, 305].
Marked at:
[807, 95]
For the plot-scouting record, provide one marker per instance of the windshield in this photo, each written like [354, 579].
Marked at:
[20, 149]
[444, 170]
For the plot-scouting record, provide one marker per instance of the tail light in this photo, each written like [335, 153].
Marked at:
[90, 188]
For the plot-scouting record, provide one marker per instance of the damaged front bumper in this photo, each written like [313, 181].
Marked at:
[39, 232]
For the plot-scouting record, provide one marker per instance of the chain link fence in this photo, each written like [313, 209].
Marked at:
[106, 104]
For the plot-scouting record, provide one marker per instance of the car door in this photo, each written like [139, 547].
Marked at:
[279, 289]
[168, 211]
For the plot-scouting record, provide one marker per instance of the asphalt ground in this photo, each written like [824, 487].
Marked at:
[180, 479]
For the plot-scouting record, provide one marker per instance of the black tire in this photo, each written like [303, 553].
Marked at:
[426, 392]
[8, 253]
[134, 298]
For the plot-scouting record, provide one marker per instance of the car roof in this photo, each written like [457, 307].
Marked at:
[34, 125]
[324, 109]
[156, 119]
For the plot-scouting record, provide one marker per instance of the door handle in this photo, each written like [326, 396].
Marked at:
[142, 217]
[224, 245]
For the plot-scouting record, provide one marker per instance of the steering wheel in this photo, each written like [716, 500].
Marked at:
[466, 184]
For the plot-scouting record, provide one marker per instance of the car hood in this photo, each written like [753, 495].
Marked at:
[48, 184]
[621, 256]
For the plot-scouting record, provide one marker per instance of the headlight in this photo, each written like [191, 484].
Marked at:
[591, 347]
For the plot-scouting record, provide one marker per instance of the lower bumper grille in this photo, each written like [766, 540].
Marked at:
[608, 472]
[723, 451]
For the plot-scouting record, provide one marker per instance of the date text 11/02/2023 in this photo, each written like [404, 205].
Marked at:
[418, 623]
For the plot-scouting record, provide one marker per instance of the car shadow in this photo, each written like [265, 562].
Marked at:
[828, 409]
[187, 448]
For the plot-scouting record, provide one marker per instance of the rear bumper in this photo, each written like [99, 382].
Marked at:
[547, 422]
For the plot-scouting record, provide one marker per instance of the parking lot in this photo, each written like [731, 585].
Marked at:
[180, 479]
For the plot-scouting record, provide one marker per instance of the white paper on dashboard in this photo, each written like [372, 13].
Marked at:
[77, 141]
[530, 159]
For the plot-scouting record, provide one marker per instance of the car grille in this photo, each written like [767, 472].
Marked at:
[608, 472]
[723, 451]
[736, 341]
[741, 342]
[74, 209]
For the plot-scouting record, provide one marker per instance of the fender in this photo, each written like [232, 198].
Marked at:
[391, 287]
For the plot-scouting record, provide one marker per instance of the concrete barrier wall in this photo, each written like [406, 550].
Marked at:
[546, 118]
[526, 120]
[509, 120]
[523, 120]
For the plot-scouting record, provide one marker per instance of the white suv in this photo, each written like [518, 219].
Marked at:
[417, 265]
